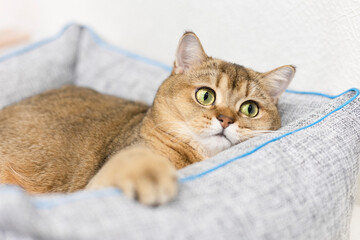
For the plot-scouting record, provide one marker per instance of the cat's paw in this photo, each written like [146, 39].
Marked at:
[151, 179]
[151, 183]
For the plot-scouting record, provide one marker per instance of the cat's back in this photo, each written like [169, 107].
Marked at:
[69, 128]
[70, 106]
[69, 100]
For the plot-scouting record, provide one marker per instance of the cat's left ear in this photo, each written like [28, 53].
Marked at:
[189, 53]
[276, 81]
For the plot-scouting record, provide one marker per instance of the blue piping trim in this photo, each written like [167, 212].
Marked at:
[38, 202]
[98, 41]
[127, 53]
[34, 45]
[199, 175]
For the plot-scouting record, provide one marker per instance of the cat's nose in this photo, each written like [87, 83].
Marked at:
[225, 121]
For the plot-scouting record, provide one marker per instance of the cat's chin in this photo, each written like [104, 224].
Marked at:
[215, 144]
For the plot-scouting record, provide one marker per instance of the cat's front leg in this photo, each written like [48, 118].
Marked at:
[140, 174]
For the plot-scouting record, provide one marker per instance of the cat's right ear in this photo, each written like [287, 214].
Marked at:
[189, 53]
[276, 81]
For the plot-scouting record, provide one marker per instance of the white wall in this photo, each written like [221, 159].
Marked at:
[322, 38]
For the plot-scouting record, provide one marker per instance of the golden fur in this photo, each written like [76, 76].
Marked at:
[70, 138]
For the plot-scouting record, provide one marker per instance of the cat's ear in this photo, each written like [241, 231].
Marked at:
[189, 53]
[276, 81]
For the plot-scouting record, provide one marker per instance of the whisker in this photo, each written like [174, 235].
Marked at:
[25, 179]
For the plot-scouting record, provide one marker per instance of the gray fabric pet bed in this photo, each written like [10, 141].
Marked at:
[296, 183]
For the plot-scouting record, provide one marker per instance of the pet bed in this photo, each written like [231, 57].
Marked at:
[295, 183]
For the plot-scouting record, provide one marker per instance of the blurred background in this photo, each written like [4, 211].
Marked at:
[321, 38]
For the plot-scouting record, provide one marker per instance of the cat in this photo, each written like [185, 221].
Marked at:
[73, 138]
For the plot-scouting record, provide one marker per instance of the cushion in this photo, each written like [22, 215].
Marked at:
[295, 183]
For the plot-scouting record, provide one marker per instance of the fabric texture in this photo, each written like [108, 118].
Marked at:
[295, 183]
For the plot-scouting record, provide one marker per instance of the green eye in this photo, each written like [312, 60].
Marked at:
[205, 96]
[249, 108]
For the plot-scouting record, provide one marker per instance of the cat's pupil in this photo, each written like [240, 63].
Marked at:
[206, 95]
[250, 108]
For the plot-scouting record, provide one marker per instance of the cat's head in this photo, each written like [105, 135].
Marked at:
[212, 104]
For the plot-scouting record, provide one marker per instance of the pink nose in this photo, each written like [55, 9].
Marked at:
[225, 121]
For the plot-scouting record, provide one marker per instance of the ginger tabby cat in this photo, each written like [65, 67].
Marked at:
[72, 138]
